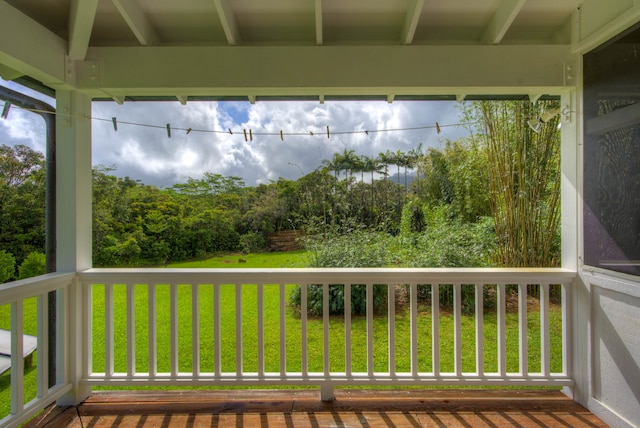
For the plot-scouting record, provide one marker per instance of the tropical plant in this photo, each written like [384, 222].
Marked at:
[524, 182]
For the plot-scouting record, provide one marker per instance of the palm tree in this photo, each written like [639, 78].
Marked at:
[385, 160]
[332, 165]
[372, 165]
[399, 161]
[349, 161]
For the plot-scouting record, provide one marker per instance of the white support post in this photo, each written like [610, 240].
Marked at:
[522, 329]
[283, 330]
[435, 328]
[108, 331]
[370, 338]
[391, 328]
[217, 335]
[479, 329]
[195, 330]
[457, 328]
[347, 329]
[326, 392]
[152, 328]
[502, 331]
[173, 328]
[413, 298]
[131, 330]
[577, 293]
[260, 311]
[73, 212]
[325, 330]
[303, 323]
[569, 180]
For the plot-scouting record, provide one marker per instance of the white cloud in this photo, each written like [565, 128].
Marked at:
[147, 153]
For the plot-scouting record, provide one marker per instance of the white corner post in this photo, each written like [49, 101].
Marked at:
[576, 296]
[74, 231]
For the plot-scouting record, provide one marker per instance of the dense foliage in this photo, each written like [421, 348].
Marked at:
[491, 199]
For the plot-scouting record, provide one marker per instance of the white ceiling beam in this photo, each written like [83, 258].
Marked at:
[137, 21]
[501, 21]
[228, 21]
[269, 71]
[319, 29]
[41, 55]
[411, 21]
[81, 16]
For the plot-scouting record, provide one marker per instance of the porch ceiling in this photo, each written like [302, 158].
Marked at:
[313, 48]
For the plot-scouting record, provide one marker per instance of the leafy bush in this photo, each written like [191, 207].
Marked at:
[446, 296]
[7, 266]
[252, 242]
[357, 249]
[454, 244]
[33, 265]
[336, 299]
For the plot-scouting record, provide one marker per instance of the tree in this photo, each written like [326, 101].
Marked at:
[22, 200]
[20, 164]
[7, 266]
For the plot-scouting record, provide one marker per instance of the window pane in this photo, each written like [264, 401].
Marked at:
[611, 154]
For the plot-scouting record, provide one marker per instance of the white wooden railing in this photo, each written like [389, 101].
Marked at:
[213, 327]
[226, 361]
[24, 405]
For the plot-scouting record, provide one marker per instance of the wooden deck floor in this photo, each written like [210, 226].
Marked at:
[294, 408]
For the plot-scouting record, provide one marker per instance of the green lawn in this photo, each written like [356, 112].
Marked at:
[288, 259]
[293, 328]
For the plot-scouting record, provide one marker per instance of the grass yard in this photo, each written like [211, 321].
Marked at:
[290, 259]
[293, 328]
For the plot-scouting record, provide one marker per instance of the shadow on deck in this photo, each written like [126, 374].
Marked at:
[302, 408]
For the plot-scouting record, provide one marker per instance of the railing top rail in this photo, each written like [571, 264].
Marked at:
[29, 287]
[331, 275]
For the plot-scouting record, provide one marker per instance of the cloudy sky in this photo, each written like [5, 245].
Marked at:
[147, 153]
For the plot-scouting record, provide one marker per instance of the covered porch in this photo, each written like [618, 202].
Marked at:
[585, 342]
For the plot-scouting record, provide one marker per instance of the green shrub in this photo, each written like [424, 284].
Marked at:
[336, 299]
[454, 244]
[252, 242]
[7, 266]
[446, 292]
[357, 249]
[33, 265]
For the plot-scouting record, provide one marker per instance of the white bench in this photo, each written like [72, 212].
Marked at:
[29, 344]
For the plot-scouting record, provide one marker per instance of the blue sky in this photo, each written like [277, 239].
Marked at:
[148, 154]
